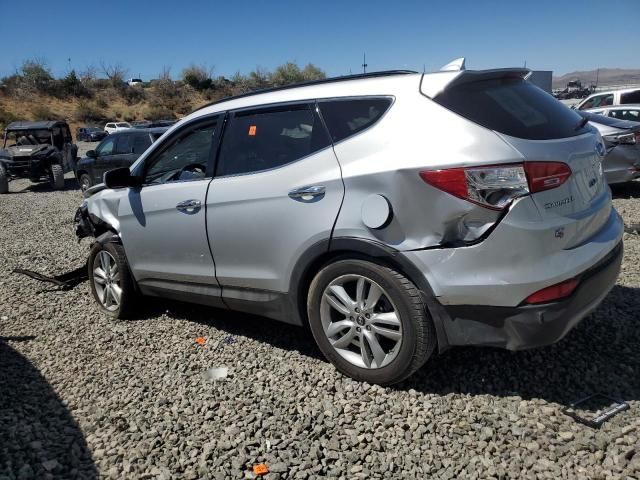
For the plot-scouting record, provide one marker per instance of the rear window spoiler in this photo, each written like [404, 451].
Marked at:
[432, 84]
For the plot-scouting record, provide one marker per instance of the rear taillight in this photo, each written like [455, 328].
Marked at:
[553, 293]
[546, 175]
[496, 186]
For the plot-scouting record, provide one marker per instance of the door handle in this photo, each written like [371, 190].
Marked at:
[308, 194]
[189, 206]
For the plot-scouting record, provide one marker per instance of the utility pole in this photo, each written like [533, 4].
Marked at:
[364, 63]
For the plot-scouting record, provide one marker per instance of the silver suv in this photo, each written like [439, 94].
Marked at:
[393, 213]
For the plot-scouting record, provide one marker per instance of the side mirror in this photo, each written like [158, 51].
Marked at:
[92, 154]
[121, 178]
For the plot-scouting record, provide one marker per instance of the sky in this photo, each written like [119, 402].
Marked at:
[239, 35]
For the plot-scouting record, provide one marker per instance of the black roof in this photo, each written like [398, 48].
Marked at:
[138, 130]
[343, 78]
[40, 124]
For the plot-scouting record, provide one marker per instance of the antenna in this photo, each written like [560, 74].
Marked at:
[364, 63]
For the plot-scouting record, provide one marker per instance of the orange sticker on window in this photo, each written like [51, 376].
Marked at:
[252, 130]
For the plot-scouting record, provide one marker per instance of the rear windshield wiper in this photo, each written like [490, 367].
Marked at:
[582, 123]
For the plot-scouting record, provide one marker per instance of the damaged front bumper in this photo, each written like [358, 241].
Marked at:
[83, 225]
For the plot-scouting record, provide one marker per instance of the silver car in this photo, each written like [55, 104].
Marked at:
[395, 213]
[622, 144]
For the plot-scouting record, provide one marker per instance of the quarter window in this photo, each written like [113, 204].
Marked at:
[186, 157]
[630, 97]
[345, 118]
[262, 140]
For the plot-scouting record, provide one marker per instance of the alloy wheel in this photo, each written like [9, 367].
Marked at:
[360, 321]
[106, 279]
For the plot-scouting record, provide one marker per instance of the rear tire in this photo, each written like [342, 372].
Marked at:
[57, 177]
[380, 331]
[112, 285]
[4, 180]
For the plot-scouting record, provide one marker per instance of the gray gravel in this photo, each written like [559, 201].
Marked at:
[83, 396]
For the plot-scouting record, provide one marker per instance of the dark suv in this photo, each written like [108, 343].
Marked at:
[120, 149]
[42, 150]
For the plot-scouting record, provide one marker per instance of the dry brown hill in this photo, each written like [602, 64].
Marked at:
[604, 77]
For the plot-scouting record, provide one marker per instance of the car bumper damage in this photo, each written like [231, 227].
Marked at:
[529, 326]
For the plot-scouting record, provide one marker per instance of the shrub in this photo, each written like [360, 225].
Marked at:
[101, 102]
[197, 77]
[133, 95]
[6, 118]
[89, 113]
[158, 112]
[43, 112]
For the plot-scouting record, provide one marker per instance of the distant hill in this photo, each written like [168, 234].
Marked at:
[605, 76]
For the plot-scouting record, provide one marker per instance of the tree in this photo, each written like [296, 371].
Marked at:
[36, 76]
[197, 76]
[116, 73]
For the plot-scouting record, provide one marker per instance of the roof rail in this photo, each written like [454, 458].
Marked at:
[358, 76]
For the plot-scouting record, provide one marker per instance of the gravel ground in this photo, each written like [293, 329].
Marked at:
[82, 396]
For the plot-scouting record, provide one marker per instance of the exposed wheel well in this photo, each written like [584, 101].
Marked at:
[334, 255]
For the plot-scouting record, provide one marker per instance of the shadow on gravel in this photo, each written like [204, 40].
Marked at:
[69, 185]
[626, 190]
[38, 436]
[262, 329]
[600, 355]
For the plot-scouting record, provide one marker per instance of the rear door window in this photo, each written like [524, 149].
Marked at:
[124, 145]
[631, 115]
[348, 117]
[141, 143]
[630, 97]
[514, 107]
[270, 138]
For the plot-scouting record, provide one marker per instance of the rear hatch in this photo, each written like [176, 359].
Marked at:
[541, 129]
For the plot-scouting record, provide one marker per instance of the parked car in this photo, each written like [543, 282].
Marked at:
[622, 144]
[621, 112]
[90, 134]
[39, 151]
[610, 98]
[132, 82]
[115, 126]
[396, 213]
[120, 149]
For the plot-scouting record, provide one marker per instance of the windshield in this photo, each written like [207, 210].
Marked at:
[28, 137]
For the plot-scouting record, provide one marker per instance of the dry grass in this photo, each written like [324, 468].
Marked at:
[111, 106]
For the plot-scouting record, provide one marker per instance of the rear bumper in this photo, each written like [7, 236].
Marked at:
[529, 326]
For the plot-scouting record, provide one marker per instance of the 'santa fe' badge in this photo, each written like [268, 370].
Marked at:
[559, 203]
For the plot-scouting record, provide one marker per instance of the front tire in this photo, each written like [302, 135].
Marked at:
[4, 180]
[57, 177]
[111, 282]
[85, 182]
[369, 321]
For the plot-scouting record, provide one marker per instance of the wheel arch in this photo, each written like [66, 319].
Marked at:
[327, 251]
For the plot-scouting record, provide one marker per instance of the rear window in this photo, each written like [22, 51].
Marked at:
[630, 97]
[345, 118]
[514, 107]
